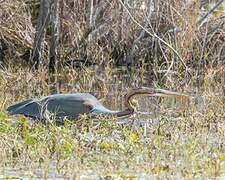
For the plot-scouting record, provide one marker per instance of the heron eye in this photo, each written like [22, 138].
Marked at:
[88, 104]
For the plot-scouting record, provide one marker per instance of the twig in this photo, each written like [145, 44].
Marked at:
[156, 36]
[211, 11]
[140, 35]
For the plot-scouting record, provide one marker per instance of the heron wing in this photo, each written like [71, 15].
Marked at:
[29, 108]
[17, 105]
[71, 108]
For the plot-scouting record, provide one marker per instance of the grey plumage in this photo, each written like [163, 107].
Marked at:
[59, 106]
[72, 105]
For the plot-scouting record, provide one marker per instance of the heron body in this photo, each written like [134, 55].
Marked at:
[60, 106]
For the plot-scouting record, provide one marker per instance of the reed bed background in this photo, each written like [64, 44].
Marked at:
[105, 48]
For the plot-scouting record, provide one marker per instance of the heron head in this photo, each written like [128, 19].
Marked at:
[150, 92]
[154, 92]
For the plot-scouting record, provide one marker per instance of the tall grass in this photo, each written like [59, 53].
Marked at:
[165, 138]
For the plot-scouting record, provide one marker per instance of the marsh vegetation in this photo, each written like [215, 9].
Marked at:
[104, 48]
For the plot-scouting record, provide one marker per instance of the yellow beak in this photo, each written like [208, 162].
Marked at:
[167, 93]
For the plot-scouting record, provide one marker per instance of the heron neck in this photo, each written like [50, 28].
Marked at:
[125, 112]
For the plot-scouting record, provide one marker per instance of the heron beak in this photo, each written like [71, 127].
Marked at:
[166, 93]
[155, 93]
